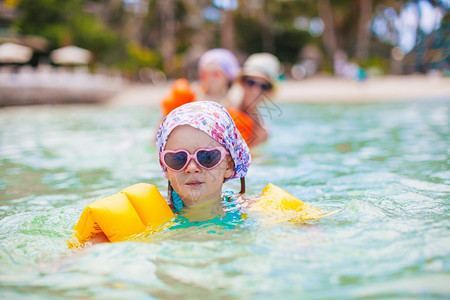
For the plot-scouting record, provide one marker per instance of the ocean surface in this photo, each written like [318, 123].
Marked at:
[385, 165]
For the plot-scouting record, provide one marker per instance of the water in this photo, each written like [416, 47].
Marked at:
[385, 165]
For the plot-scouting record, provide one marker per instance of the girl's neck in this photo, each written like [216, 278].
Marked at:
[203, 211]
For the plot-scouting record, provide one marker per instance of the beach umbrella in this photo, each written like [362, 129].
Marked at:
[71, 55]
[14, 53]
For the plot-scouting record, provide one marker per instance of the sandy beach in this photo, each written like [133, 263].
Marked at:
[320, 89]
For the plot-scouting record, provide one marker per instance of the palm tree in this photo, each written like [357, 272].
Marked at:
[363, 38]
[167, 11]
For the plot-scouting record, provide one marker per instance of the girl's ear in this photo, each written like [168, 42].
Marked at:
[230, 167]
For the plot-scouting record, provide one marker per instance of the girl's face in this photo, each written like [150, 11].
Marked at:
[194, 184]
[255, 89]
[214, 80]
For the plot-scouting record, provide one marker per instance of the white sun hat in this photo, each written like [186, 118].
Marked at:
[264, 65]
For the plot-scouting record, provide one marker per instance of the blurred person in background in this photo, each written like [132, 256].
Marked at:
[258, 79]
[347, 69]
[217, 69]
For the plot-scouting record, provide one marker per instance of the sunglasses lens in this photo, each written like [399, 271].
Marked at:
[266, 87]
[175, 160]
[263, 86]
[250, 82]
[209, 158]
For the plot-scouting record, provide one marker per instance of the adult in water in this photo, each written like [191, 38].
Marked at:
[258, 79]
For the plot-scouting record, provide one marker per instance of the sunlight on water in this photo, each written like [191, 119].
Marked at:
[385, 165]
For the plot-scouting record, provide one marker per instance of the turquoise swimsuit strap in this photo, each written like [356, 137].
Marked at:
[176, 200]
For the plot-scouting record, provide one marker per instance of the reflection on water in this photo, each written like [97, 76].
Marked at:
[386, 165]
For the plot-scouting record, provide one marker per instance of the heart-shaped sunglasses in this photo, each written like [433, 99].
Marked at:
[207, 158]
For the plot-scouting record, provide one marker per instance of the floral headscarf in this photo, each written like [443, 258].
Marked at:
[213, 119]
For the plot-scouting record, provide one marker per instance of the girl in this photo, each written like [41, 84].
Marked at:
[199, 149]
[217, 69]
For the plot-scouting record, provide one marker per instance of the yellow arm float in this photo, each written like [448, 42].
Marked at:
[131, 211]
[140, 207]
[276, 205]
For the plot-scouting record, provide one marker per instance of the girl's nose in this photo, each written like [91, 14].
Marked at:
[192, 167]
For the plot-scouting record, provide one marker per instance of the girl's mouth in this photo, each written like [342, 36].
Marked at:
[194, 184]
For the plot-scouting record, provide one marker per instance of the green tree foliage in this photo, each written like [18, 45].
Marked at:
[278, 28]
[136, 57]
[63, 22]
[250, 39]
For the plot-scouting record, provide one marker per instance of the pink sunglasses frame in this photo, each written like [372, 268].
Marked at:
[193, 156]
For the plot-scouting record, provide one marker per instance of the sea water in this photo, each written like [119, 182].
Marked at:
[385, 165]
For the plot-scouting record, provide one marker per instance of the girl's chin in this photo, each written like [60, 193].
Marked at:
[193, 196]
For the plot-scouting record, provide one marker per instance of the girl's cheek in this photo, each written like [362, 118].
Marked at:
[217, 174]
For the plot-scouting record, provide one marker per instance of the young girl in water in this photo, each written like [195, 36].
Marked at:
[217, 69]
[199, 149]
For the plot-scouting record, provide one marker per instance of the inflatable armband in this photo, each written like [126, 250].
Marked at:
[179, 94]
[277, 206]
[243, 123]
[119, 216]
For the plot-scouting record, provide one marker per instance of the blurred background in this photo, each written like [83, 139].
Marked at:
[152, 40]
